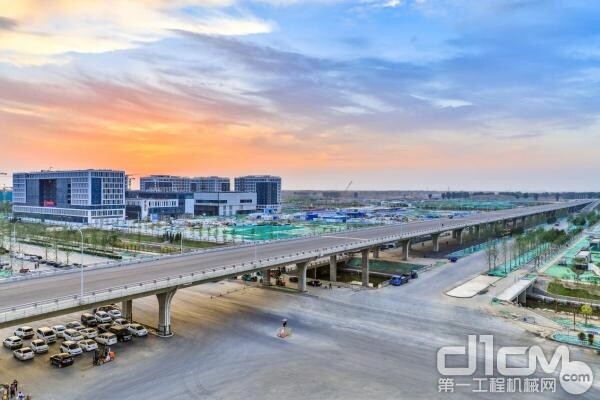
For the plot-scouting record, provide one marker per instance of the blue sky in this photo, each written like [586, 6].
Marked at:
[499, 94]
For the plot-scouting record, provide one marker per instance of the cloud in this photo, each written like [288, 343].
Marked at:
[7, 23]
[38, 32]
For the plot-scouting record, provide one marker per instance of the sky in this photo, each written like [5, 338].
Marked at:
[388, 94]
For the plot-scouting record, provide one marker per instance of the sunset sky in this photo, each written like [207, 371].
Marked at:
[391, 94]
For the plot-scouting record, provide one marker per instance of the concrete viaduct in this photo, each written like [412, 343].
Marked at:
[42, 297]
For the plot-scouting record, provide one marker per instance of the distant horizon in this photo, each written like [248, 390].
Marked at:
[413, 93]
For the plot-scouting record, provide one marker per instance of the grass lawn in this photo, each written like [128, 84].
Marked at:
[557, 288]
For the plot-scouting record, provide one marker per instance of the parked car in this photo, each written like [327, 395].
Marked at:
[293, 279]
[62, 360]
[102, 317]
[103, 328]
[13, 342]
[71, 347]
[88, 333]
[123, 334]
[46, 334]
[453, 259]
[88, 345]
[72, 335]
[106, 308]
[39, 346]
[74, 325]
[314, 283]
[137, 330]
[24, 332]
[414, 274]
[114, 313]
[396, 280]
[122, 322]
[59, 330]
[107, 338]
[88, 319]
[24, 353]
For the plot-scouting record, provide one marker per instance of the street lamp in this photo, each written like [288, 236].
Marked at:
[81, 265]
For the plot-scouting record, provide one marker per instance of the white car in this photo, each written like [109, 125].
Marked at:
[102, 317]
[24, 332]
[89, 333]
[59, 330]
[122, 322]
[39, 346]
[72, 335]
[114, 313]
[46, 334]
[137, 330]
[107, 338]
[13, 342]
[70, 347]
[88, 345]
[24, 353]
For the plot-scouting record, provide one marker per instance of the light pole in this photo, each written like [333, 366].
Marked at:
[13, 243]
[81, 265]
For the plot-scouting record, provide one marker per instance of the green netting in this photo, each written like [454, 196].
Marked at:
[467, 205]
[504, 269]
[476, 248]
[275, 231]
[572, 252]
[561, 272]
[573, 339]
[589, 276]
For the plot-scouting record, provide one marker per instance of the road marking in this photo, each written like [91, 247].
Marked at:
[343, 237]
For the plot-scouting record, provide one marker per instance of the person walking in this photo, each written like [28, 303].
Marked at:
[21, 396]
[11, 391]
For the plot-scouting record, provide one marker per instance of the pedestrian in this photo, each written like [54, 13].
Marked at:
[330, 287]
[16, 385]
[284, 322]
[21, 396]
[12, 391]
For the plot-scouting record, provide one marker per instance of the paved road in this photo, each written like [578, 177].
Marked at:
[367, 344]
[39, 289]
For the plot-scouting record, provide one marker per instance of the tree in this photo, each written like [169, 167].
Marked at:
[586, 310]
[491, 253]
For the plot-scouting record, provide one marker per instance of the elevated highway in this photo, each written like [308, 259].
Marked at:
[42, 297]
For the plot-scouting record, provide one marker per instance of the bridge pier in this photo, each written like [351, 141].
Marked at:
[333, 268]
[477, 231]
[457, 234]
[435, 241]
[267, 277]
[365, 267]
[164, 312]
[376, 252]
[127, 309]
[301, 274]
[405, 247]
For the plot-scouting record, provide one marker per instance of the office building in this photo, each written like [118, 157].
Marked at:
[182, 184]
[224, 204]
[154, 206]
[81, 196]
[266, 187]
[165, 184]
[210, 184]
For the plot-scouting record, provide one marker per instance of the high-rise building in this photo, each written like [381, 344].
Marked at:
[266, 187]
[210, 184]
[182, 184]
[164, 183]
[81, 196]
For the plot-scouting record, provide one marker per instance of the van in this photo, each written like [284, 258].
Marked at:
[122, 333]
[46, 334]
[88, 319]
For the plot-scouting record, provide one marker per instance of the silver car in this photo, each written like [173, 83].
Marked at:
[24, 353]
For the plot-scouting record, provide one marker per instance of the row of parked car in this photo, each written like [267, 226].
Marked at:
[105, 326]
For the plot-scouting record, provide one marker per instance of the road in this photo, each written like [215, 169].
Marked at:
[36, 290]
[375, 344]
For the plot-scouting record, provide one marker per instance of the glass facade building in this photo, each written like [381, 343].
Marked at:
[266, 187]
[82, 196]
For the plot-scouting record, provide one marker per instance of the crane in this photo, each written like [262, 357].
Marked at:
[348, 186]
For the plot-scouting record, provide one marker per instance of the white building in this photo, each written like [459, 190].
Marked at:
[224, 204]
